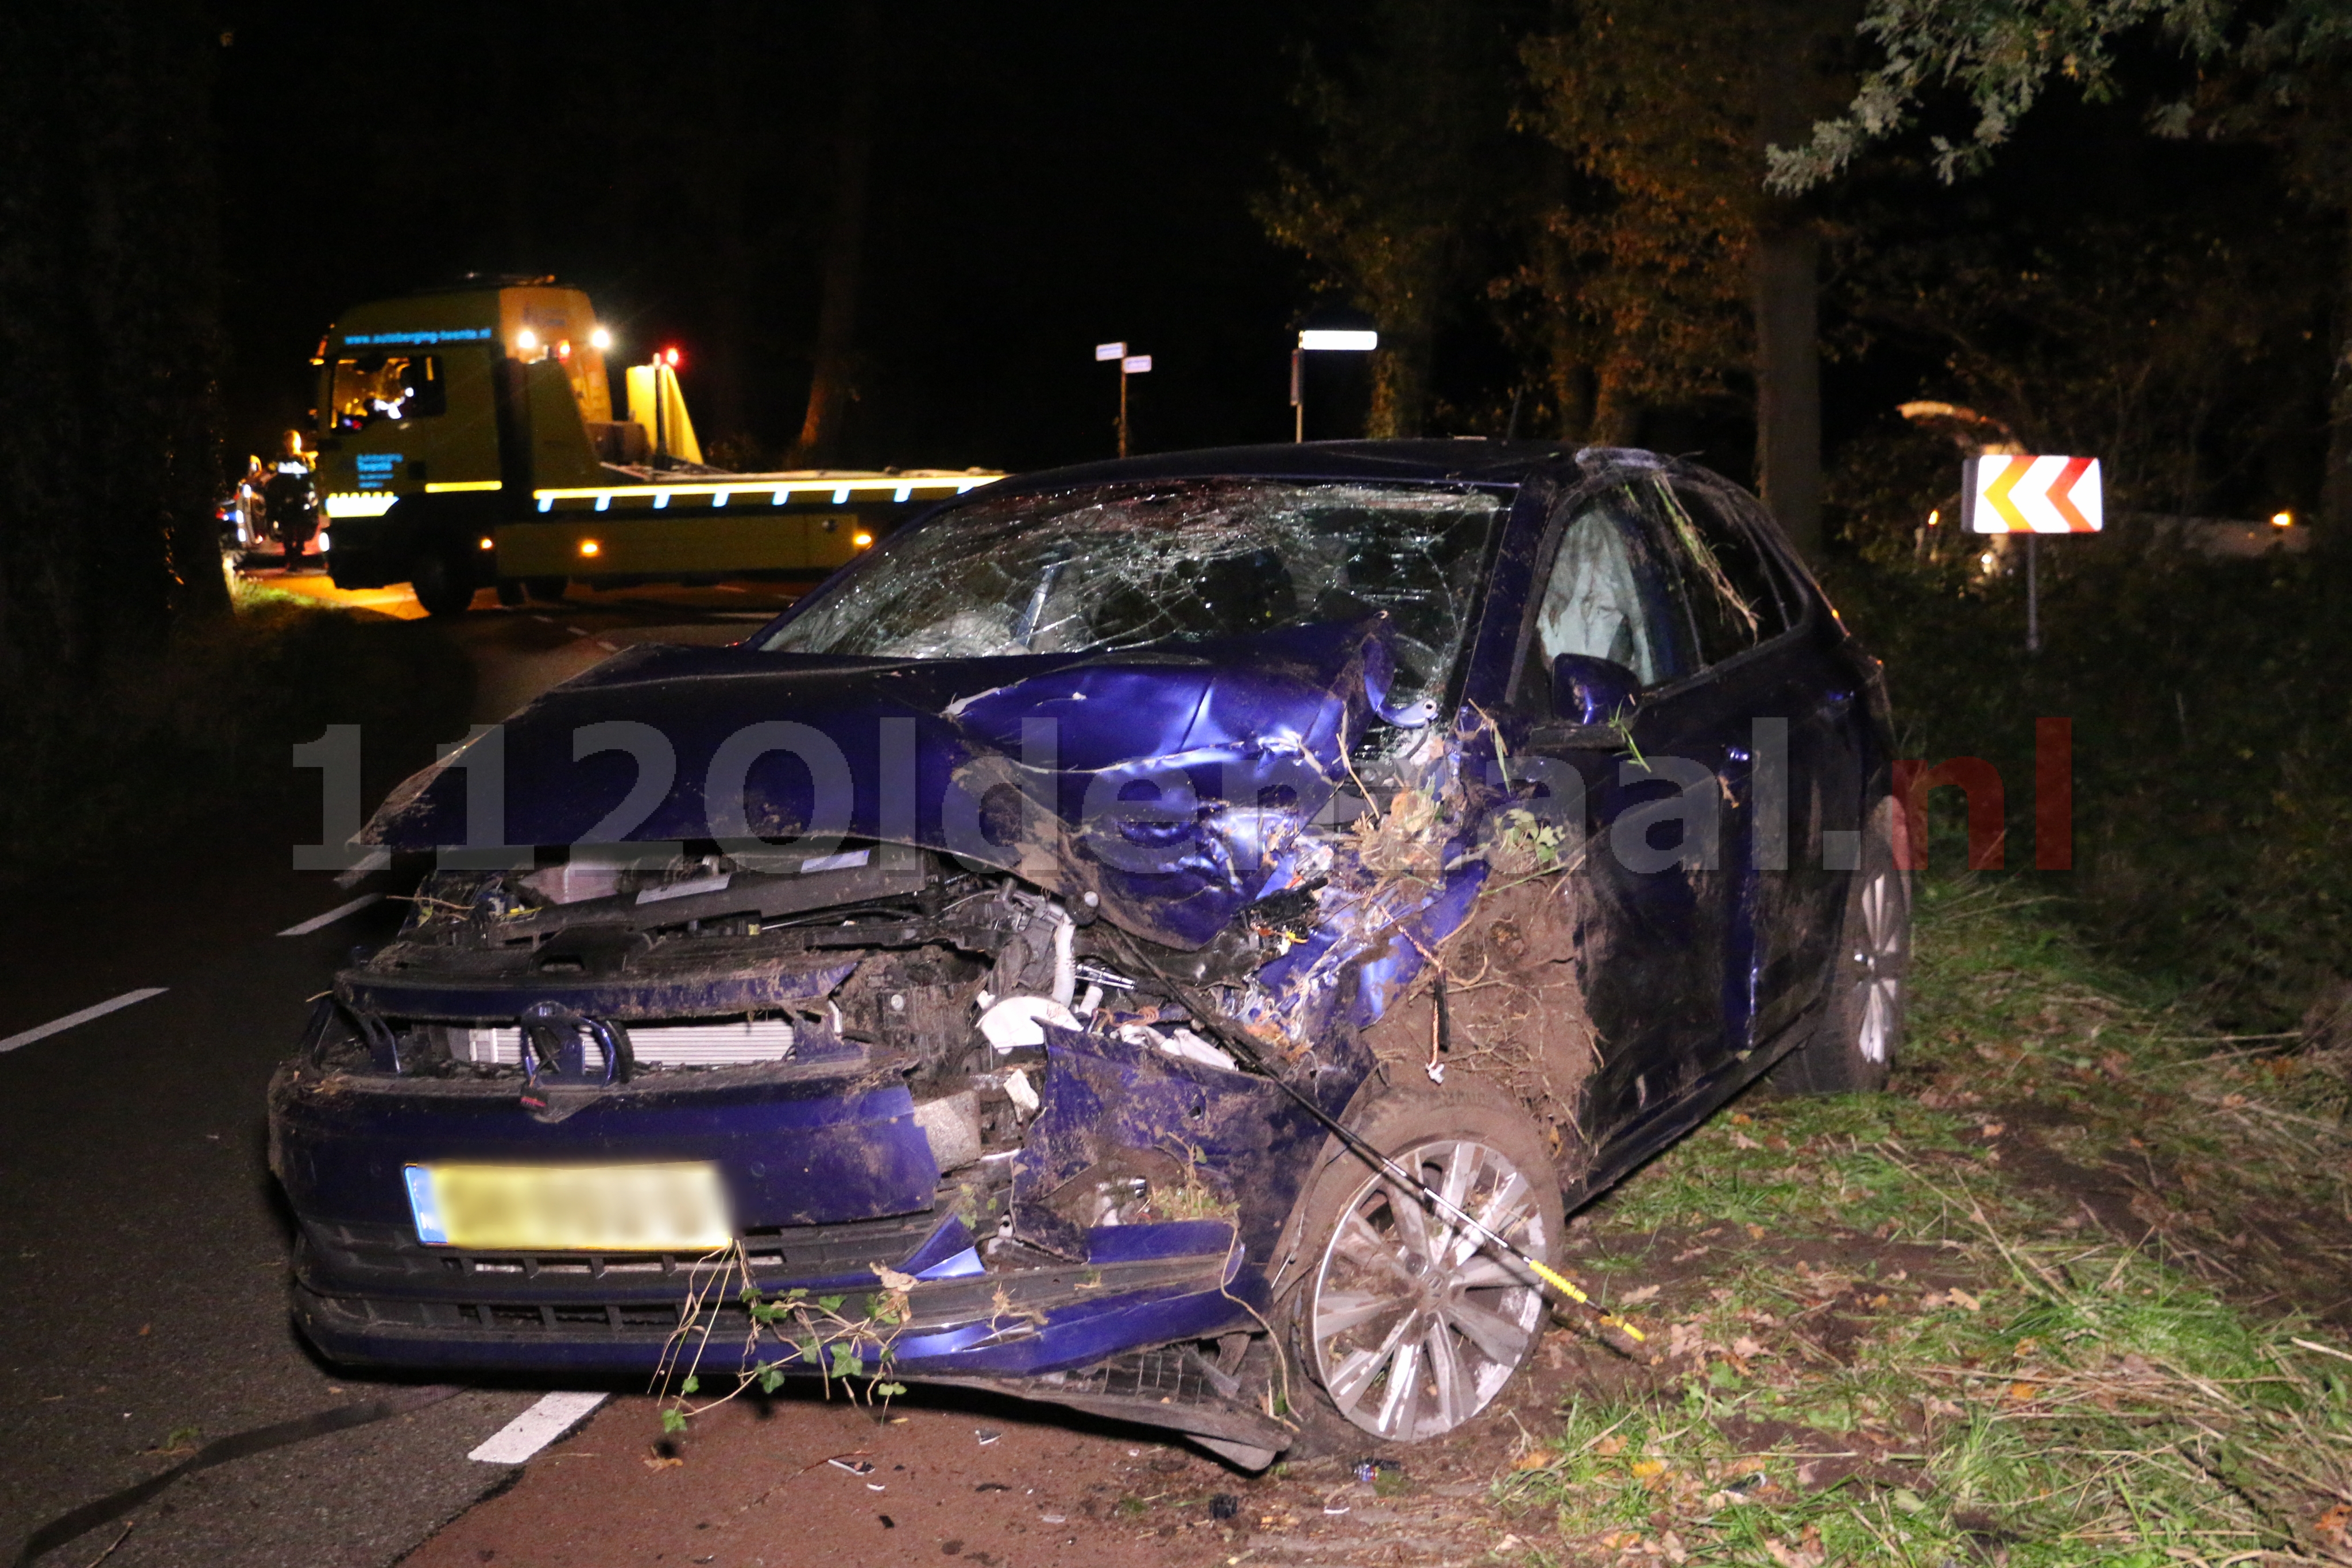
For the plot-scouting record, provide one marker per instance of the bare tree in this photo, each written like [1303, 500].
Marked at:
[1409, 130]
[832, 382]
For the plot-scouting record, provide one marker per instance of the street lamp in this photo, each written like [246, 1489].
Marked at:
[1129, 365]
[1330, 331]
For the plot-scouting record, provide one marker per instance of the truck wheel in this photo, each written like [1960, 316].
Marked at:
[510, 592]
[1403, 1328]
[1852, 1048]
[546, 590]
[440, 584]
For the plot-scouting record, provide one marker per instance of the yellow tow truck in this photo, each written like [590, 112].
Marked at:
[467, 440]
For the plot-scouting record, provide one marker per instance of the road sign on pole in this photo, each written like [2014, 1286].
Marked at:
[1129, 365]
[2012, 493]
[2017, 493]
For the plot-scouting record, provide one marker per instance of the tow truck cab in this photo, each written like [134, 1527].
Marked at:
[467, 439]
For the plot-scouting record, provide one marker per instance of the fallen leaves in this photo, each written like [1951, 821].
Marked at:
[1668, 1547]
[2332, 1529]
[1805, 1553]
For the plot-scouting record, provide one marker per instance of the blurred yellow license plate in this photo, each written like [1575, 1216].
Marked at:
[606, 1208]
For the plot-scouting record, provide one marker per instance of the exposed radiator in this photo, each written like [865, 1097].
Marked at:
[654, 1045]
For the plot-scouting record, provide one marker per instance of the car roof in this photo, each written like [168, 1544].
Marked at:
[1476, 460]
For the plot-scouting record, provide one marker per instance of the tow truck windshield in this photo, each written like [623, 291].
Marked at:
[371, 387]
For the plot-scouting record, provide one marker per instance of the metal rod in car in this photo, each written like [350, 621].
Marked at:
[1246, 1049]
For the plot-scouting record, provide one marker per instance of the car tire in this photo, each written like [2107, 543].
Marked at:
[1397, 1330]
[1851, 1050]
[440, 584]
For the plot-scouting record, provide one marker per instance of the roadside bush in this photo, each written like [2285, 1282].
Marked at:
[2212, 758]
[150, 748]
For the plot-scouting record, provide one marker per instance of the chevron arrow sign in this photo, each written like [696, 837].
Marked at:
[2016, 494]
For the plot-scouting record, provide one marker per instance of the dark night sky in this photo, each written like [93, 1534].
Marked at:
[1045, 176]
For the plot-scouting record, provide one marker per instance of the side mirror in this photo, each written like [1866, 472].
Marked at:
[1586, 690]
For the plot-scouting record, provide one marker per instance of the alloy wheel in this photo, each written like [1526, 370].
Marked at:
[1416, 1327]
[1880, 960]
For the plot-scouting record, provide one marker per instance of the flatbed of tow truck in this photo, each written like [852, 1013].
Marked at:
[467, 440]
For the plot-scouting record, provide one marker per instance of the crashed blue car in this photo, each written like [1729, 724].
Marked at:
[1173, 938]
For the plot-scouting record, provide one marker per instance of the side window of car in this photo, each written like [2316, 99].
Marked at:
[1734, 595]
[1607, 593]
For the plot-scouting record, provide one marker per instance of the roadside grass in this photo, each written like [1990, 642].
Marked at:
[154, 747]
[1999, 1315]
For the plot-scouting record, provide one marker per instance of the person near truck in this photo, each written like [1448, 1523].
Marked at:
[293, 507]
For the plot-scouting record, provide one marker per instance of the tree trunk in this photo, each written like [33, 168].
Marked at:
[1400, 372]
[832, 383]
[1789, 382]
[1616, 411]
[1568, 340]
[1798, 80]
[728, 424]
[2335, 479]
[109, 329]
[1575, 395]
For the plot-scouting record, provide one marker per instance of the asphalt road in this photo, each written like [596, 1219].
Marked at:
[143, 1243]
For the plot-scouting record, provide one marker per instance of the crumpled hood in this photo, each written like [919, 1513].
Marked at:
[1169, 782]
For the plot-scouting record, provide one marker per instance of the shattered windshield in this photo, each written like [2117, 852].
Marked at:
[1119, 566]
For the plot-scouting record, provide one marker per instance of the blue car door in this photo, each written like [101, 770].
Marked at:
[1663, 779]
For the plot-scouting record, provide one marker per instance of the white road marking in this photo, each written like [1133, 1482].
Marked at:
[337, 913]
[58, 1026]
[536, 1428]
[577, 630]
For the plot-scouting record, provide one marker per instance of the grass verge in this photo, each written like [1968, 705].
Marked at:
[2072, 1292]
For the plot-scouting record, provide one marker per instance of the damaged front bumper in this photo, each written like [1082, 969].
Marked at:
[834, 1188]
